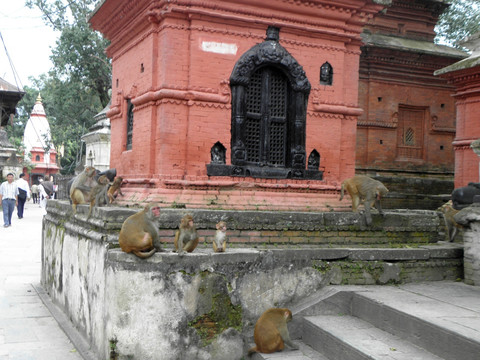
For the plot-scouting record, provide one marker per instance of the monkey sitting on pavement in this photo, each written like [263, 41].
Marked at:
[367, 190]
[139, 233]
[186, 238]
[220, 241]
[271, 332]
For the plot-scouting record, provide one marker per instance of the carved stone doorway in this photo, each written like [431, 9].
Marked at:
[269, 105]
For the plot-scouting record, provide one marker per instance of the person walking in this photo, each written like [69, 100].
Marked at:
[9, 198]
[23, 195]
[35, 193]
[43, 196]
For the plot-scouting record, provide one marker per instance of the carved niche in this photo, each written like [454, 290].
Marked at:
[269, 104]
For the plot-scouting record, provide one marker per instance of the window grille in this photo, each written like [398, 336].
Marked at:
[409, 137]
[129, 124]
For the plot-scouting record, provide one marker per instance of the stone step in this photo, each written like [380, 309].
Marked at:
[304, 352]
[347, 337]
[444, 327]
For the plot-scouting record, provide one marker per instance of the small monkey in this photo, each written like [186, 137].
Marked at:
[186, 238]
[220, 241]
[98, 194]
[81, 187]
[271, 332]
[364, 189]
[115, 188]
[139, 233]
[448, 216]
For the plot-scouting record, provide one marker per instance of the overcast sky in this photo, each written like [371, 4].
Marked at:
[27, 40]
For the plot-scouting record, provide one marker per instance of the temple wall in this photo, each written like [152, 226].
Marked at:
[174, 63]
[163, 306]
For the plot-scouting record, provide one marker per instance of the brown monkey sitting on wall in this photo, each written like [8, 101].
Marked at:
[115, 188]
[271, 332]
[448, 216]
[139, 233]
[98, 194]
[186, 238]
[81, 187]
[220, 240]
[364, 189]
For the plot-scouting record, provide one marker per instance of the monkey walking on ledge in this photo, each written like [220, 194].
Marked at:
[367, 190]
[271, 332]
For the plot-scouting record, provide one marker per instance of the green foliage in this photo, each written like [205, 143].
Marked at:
[77, 88]
[460, 20]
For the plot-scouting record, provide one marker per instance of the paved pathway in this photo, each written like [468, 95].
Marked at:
[28, 331]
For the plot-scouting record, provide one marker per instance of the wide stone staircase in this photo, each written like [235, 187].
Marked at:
[424, 321]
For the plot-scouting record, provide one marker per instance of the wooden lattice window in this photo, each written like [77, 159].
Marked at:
[129, 124]
[409, 137]
[266, 117]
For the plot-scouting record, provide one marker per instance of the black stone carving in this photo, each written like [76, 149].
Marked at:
[464, 196]
[314, 160]
[326, 74]
[217, 153]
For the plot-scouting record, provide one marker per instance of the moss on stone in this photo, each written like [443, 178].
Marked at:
[222, 316]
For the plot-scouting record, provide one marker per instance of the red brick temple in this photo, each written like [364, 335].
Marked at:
[408, 124]
[465, 76]
[235, 103]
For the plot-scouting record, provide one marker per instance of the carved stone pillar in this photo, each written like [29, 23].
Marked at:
[470, 218]
[475, 145]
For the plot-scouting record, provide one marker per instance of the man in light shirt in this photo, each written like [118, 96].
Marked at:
[23, 195]
[9, 198]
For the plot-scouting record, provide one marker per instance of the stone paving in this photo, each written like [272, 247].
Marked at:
[28, 331]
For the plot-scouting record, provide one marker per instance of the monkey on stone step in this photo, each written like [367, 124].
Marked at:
[98, 194]
[271, 332]
[364, 189]
[139, 233]
[220, 241]
[115, 188]
[448, 215]
[81, 187]
[186, 238]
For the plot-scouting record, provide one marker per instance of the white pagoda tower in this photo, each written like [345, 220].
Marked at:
[36, 137]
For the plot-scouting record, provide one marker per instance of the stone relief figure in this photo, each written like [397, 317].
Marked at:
[314, 160]
[326, 74]
[217, 153]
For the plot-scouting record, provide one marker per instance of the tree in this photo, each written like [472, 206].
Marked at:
[460, 20]
[77, 88]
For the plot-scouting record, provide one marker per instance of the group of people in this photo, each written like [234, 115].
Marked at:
[16, 193]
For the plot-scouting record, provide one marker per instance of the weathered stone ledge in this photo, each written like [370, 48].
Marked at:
[262, 227]
[207, 260]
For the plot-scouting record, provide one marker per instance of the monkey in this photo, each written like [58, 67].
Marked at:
[139, 233]
[81, 187]
[186, 238]
[448, 216]
[115, 188]
[367, 190]
[271, 331]
[220, 241]
[98, 194]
